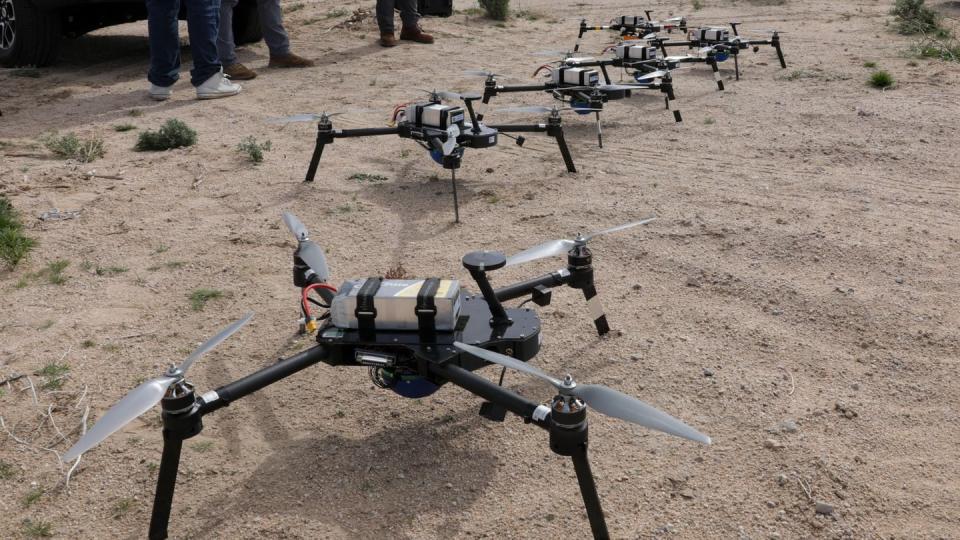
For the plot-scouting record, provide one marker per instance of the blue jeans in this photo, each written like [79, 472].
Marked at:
[408, 14]
[203, 20]
[271, 24]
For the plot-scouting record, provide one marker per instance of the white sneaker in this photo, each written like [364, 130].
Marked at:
[161, 93]
[217, 86]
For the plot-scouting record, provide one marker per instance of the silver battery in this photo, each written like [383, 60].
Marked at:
[712, 34]
[636, 52]
[630, 20]
[577, 76]
[396, 303]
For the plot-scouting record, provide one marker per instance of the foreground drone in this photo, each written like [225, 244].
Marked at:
[441, 129]
[414, 336]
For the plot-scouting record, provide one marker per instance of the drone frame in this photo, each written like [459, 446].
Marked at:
[511, 331]
[477, 135]
[651, 26]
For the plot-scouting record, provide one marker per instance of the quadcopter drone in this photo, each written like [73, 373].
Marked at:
[581, 89]
[631, 25]
[441, 129]
[413, 336]
[724, 43]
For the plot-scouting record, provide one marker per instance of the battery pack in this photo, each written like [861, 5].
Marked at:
[576, 76]
[630, 20]
[435, 115]
[395, 304]
[711, 34]
[636, 52]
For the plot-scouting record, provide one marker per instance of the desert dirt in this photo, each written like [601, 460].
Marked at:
[797, 299]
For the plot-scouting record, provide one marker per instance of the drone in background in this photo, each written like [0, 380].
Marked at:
[642, 60]
[443, 130]
[581, 89]
[413, 336]
[724, 43]
[632, 25]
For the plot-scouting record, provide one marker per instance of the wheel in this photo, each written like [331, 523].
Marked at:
[246, 23]
[28, 36]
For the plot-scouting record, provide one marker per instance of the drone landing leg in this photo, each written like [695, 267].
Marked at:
[565, 152]
[314, 161]
[716, 74]
[736, 65]
[599, 131]
[588, 490]
[596, 309]
[783, 63]
[456, 203]
[166, 483]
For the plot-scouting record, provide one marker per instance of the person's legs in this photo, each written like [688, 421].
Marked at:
[408, 13]
[203, 21]
[271, 23]
[385, 15]
[164, 41]
[225, 43]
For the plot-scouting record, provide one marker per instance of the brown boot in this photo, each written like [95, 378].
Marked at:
[239, 72]
[290, 60]
[415, 34]
[387, 39]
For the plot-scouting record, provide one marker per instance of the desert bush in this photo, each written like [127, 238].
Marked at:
[172, 134]
[254, 150]
[881, 79]
[497, 10]
[913, 17]
[14, 245]
[70, 146]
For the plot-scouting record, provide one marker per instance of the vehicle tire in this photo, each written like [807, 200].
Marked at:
[28, 36]
[246, 23]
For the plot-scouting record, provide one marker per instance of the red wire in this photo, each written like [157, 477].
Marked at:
[306, 291]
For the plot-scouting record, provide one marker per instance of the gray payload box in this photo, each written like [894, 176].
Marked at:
[396, 303]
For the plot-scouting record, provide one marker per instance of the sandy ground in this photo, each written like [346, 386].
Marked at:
[797, 300]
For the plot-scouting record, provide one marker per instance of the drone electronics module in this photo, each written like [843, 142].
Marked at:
[413, 336]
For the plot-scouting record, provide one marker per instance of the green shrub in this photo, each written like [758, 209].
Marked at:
[497, 10]
[913, 17]
[253, 149]
[881, 79]
[172, 134]
[14, 246]
[70, 146]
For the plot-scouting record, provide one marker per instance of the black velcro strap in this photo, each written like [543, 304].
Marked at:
[366, 311]
[426, 309]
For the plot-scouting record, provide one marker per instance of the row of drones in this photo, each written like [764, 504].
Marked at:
[582, 84]
[416, 335]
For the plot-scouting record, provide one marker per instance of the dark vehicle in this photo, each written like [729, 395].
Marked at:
[31, 30]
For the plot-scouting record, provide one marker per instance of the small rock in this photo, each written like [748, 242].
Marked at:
[707, 372]
[824, 509]
[772, 444]
[788, 426]
[448, 485]
[776, 311]
[693, 282]
[686, 494]
[899, 280]
[635, 357]
[489, 170]
[637, 286]
[771, 504]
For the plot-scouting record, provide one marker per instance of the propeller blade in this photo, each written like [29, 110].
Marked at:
[213, 342]
[309, 117]
[510, 362]
[618, 87]
[137, 402]
[313, 255]
[613, 403]
[534, 109]
[659, 74]
[296, 226]
[604, 399]
[307, 250]
[547, 249]
[620, 227]
[479, 73]
[443, 94]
